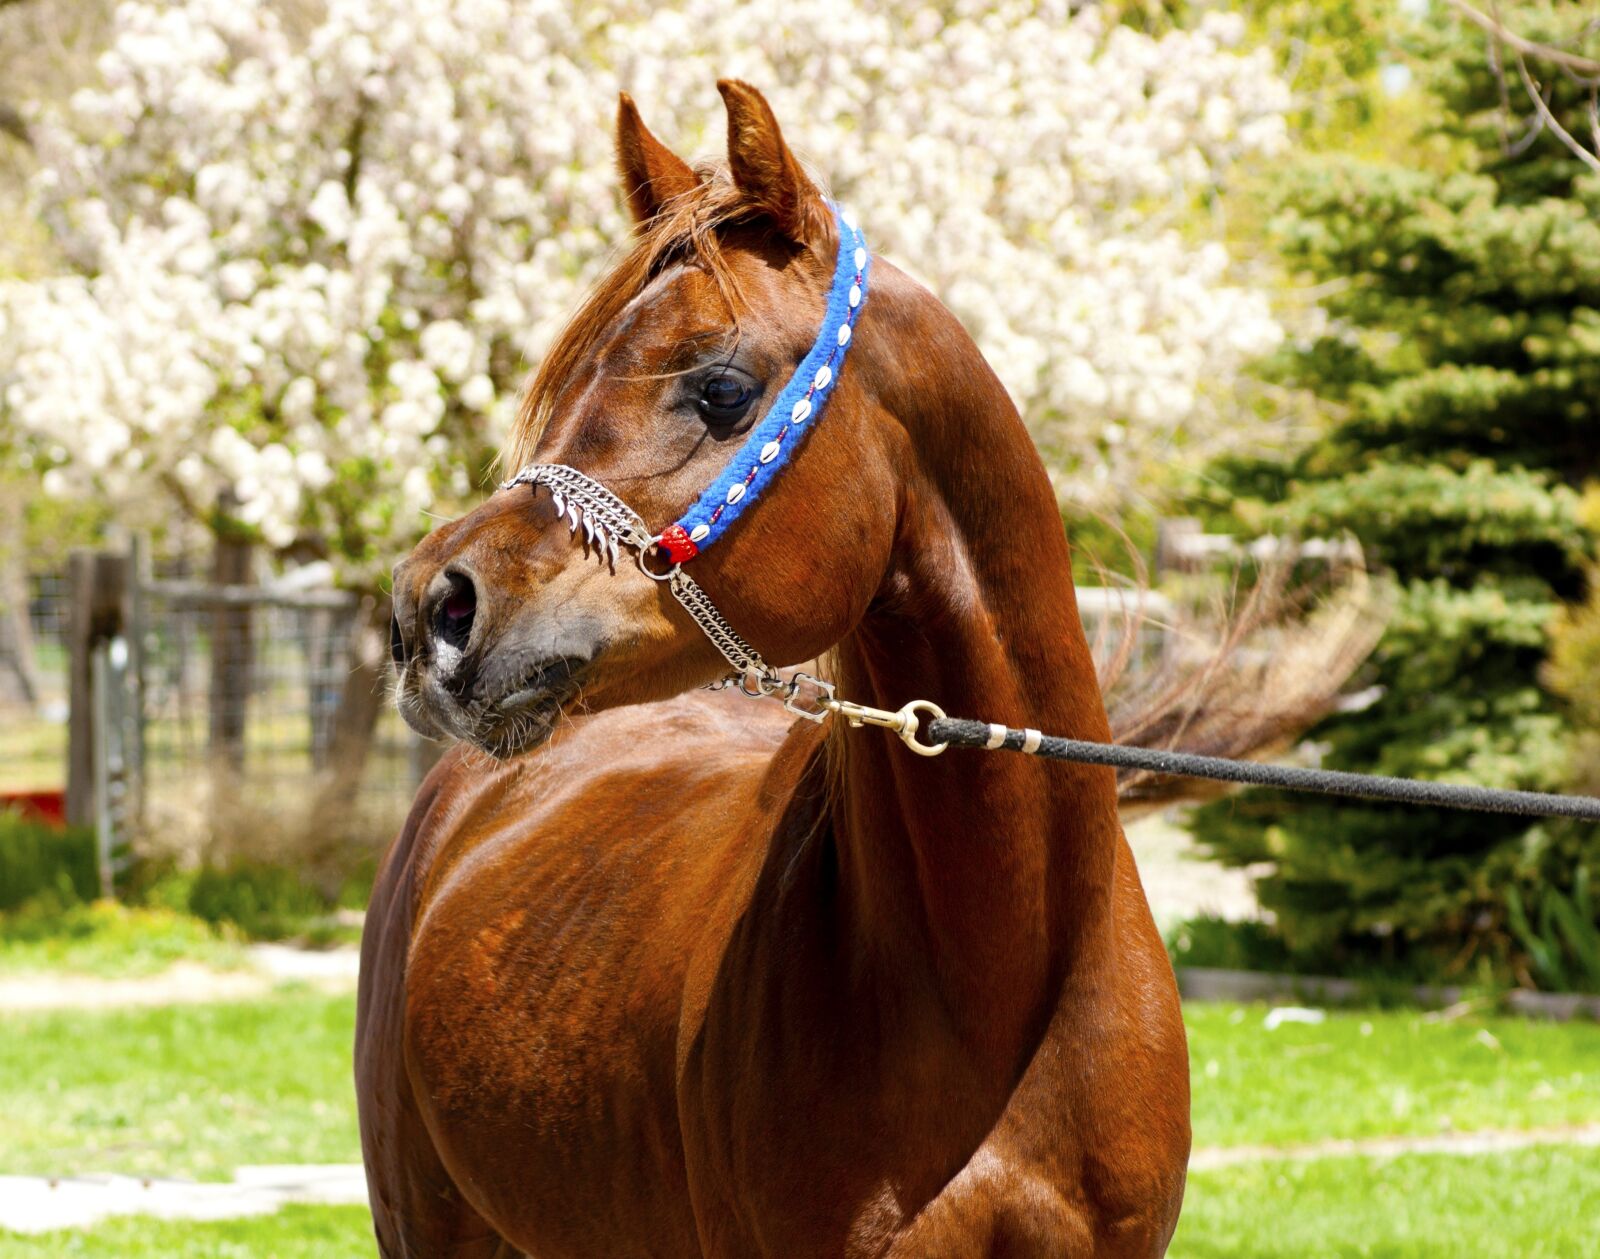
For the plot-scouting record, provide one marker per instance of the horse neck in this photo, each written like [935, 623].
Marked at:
[991, 868]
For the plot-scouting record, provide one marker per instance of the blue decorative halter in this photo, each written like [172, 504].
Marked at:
[607, 521]
[771, 442]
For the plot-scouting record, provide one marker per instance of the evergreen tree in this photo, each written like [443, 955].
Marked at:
[1460, 374]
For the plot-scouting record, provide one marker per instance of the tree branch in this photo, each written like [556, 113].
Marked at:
[1584, 71]
[1527, 47]
[1551, 121]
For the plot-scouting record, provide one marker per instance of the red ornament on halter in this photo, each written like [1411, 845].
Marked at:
[675, 542]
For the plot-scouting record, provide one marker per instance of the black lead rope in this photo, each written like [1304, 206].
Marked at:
[977, 734]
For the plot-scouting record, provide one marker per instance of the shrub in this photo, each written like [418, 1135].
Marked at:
[1458, 374]
[36, 859]
[262, 901]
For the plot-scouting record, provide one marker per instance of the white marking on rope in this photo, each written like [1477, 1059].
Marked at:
[1030, 739]
[997, 736]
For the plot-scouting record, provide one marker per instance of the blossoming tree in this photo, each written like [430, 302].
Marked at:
[309, 250]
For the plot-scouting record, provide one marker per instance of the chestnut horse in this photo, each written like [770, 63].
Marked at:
[684, 982]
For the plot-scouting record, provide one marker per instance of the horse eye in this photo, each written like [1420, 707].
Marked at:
[725, 398]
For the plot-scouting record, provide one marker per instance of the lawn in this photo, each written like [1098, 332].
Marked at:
[199, 1090]
[296, 1232]
[1541, 1203]
[1374, 1073]
[180, 1090]
[1535, 1204]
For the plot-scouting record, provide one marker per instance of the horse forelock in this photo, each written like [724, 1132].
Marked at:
[686, 230]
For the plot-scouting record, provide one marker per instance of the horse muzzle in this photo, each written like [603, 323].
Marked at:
[493, 676]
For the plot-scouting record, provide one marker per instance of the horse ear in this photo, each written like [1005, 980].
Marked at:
[652, 174]
[764, 169]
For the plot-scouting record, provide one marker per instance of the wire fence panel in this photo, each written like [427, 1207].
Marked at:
[33, 688]
[233, 695]
[241, 692]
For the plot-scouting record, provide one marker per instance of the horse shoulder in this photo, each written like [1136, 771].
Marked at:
[538, 920]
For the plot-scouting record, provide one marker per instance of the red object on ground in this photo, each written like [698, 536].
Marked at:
[39, 806]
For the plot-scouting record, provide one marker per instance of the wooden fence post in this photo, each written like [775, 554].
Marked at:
[232, 654]
[99, 587]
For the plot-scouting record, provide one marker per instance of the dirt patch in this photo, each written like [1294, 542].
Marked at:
[1464, 1143]
[36, 1204]
[183, 982]
[179, 983]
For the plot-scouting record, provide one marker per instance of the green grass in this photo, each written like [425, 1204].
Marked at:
[1541, 1203]
[109, 939]
[1533, 1204]
[180, 1090]
[200, 1090]
[1374, 1073]
[296, 1232]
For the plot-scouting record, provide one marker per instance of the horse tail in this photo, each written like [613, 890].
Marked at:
[1244, 677]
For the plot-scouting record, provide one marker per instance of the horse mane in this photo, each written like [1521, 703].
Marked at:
[687, 228]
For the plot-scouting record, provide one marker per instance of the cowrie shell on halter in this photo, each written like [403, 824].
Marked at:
[855, 296]
[769, 452]
[850, 220]
[699, 533]
[736, 492]
[801, 410]
[861, 258]
[844, 334]
[821, 379]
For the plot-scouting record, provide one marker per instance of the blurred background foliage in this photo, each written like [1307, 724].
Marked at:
[1457, 267]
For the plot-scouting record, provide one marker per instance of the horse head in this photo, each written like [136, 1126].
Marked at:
[513, 614]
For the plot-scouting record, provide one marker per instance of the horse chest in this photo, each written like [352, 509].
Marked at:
[562, 1110]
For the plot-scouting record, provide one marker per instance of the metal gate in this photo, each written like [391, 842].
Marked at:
[196, 706]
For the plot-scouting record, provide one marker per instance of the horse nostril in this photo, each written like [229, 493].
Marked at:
[453, 622]
[397, 642]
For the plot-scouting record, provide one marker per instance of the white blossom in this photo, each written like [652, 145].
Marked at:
[307, 267]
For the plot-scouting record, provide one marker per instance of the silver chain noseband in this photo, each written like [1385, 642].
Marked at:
[607, 522]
